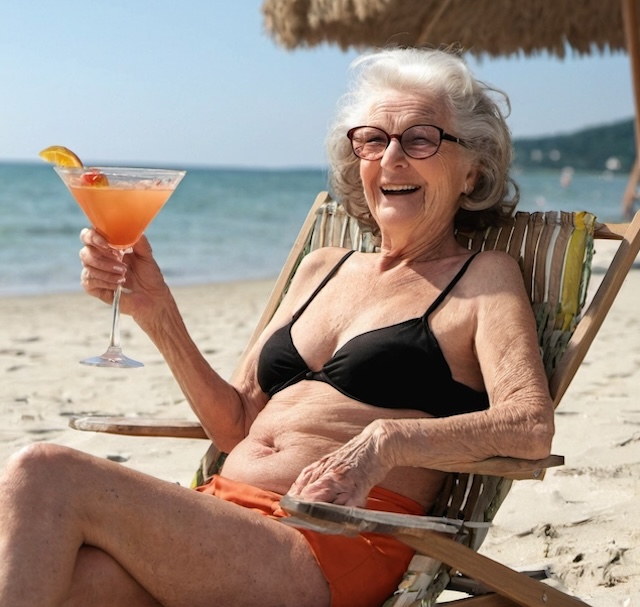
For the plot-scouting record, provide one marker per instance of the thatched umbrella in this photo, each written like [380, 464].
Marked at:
[483, 27]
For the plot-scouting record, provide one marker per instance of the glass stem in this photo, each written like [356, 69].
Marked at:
[114, 339]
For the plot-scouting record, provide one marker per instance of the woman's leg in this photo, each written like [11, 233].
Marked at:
[181, 547]
[95, 572]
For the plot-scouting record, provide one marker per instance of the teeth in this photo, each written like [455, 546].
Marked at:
[399, 188]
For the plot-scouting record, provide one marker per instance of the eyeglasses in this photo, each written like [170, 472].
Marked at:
[419, 141]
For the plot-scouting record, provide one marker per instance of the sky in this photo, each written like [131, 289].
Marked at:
[202, 83]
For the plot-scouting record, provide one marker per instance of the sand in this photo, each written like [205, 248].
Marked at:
[581, 523]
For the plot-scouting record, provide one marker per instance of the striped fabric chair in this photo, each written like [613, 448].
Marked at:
[554, 250]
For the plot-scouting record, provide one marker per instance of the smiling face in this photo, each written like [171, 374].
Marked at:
[412, 198]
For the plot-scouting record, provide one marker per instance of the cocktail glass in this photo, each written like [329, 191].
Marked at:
[120, 203]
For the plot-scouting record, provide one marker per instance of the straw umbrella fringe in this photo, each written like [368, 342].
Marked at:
[482, 27]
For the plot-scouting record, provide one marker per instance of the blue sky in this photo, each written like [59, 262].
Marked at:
[201, 83]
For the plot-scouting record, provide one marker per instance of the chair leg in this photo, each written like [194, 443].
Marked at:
[509, 584]
[467, 585]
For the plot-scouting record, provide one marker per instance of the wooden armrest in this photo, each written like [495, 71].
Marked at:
[508, 467]
[335, 519]
[139, 426]
[611, 231]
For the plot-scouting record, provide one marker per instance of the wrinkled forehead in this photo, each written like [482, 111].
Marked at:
[397, 110]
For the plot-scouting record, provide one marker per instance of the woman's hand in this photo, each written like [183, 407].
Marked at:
[137, 272]
[347, 475]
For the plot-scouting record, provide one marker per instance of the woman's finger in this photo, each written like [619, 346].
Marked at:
[91, 237]
[92, 278]
[94, 258]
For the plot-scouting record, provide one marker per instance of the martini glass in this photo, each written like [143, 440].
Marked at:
[120, 203]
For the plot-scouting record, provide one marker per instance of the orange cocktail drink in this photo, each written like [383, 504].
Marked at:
[120, 203]
[120, 214]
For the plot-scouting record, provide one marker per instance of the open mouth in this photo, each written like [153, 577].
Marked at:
[399, 190]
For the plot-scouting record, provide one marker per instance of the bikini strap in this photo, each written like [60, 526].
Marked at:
[450, 286]
[319, 288]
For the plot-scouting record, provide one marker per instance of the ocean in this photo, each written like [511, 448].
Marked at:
[220, 224]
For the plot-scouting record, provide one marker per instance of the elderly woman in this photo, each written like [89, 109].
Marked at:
[375, 371]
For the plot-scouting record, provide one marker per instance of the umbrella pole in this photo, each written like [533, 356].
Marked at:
[631, 24]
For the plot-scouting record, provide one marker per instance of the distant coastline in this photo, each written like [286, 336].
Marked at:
[607, 147]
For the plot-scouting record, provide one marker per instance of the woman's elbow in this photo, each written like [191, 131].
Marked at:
[526, 432]
[539, 433]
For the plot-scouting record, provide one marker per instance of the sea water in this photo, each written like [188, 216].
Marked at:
[220, 224]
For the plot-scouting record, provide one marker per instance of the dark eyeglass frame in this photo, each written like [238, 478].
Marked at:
[443, 136]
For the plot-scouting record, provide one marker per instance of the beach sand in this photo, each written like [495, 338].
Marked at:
[581, 523]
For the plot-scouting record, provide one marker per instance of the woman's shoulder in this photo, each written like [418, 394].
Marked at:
[496, 269]
[316, 265]
[500, 259]
[311, 271]
[324, 258]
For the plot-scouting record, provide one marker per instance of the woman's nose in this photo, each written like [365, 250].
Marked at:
[394, 154]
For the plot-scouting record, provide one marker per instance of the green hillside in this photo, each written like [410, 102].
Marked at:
[591, 149]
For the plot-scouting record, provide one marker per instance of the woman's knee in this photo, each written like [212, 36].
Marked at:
[38, 455]
[40, 465]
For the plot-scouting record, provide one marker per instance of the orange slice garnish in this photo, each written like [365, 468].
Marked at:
[64, 157]
[61, 156]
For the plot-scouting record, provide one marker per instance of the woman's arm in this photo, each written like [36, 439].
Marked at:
[224, 411]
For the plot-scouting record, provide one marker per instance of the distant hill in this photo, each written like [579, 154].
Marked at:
[610, 146]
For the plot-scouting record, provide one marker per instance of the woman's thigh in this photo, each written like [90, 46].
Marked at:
[182, 547]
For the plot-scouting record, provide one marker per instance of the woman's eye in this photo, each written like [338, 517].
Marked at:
[421, 142]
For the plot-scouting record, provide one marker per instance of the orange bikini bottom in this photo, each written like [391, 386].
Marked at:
[363, 570]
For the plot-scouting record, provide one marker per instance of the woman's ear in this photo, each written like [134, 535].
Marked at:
[470, 180]
[467, 202]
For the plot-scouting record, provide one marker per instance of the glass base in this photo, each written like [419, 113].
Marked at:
[113, 357]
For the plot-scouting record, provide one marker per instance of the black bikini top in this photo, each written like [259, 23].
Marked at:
[396, 367]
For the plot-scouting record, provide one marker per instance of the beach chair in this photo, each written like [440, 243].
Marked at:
[554, 250]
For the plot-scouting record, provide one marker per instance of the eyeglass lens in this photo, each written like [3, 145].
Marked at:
[420, 141]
